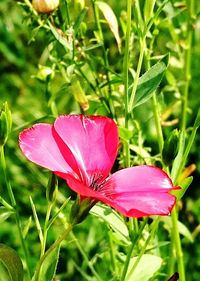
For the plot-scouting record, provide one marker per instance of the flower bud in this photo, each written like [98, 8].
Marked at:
[170, 148]
[5, 123]
[52, 188]
[44, 73]
[80, 210]
[45, 6]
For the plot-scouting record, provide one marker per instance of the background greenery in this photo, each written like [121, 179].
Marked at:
[25, 44]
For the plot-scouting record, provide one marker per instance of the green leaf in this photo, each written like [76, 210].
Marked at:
[113, 219]
[5, 214]
[181, 228]
[11, 268]
[4, 273]
[146, 268]
[49, 265]
[149, 82]
[184, 186]
[61, 38]
[27, 227]
[125, 134]
[148, 9]
[111, 20]
[79, 20]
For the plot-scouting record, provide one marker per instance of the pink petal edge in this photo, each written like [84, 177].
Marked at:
[39, 146]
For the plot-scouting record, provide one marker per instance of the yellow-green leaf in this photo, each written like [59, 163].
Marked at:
[111, 20]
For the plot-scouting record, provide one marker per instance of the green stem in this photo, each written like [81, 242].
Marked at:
[105, 57]
[156, 114]
[50, 250]
[14, 206]
[125, 74]
[177, 243]
[187, 64]
[130, 251]
[43, 244]
[137, 75]
[86, 258]
[126, 60]
[112, 255]
[142, 251]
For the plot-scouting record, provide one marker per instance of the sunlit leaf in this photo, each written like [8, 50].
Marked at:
[111, 20]
[4, 214]
[49, 265]
[150, 81]
[146, 268]
[113, 219]
[184, 186]
[125, 134]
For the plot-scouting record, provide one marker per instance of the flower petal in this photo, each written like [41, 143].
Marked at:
[92, 140]
[41, 146]
[140, 191]
[130, 194]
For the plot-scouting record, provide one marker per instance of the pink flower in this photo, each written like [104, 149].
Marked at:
[82, 151]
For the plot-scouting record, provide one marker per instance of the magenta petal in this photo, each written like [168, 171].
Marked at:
[39, 145]
[140, 191]
[92, 140]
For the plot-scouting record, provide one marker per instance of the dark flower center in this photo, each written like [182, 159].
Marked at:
[97, 181]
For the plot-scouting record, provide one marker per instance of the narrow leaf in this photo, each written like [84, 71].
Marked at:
[49, 265]
[111, 20]
[79, 20]
[5, 214]
[149, 82]
[37, 222]
[62, 38]
[184, 186]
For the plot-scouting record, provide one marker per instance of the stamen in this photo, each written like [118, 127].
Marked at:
[96, 181]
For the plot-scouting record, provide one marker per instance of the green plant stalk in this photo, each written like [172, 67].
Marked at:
[98, 278]
[98, 25]
[157, 120]
[125, 74]
[187, 64]
[175, 233]
[137, 75]
[14, 206]
[49, 251]
[37, 222]
[112, 254]
[45, 231]
[142, 251]
[130, 251]
[177, 243]
[186, 153]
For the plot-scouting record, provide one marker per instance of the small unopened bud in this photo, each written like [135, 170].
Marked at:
[5, 123]
[45, 6]
[80, 210]
[52, 188]
[44, 73]
[170, 148]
